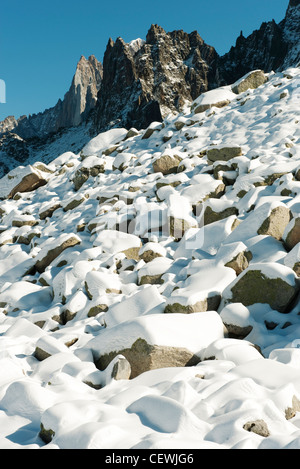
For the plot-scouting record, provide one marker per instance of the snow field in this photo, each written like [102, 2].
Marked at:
[102, 269]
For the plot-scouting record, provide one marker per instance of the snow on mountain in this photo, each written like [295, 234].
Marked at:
[149, 282]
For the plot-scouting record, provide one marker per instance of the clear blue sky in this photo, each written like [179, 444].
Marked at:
[42, 41]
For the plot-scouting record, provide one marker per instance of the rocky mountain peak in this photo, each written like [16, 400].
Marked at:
[146, 80]
[272, 47]
[82, 96]
[69, 112]
[154, 33]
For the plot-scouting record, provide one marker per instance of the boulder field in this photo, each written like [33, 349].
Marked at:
[149, 284]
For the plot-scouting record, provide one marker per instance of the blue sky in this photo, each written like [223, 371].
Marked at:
[42, 41]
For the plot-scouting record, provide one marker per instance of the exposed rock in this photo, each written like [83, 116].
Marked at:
[268, 48]
[48, 346]
[223, 153]
[257, 426]
[97, 283]
[144, 357]
[219, 98]
[153, 127]
[151, 251]
[72, 110]
[237, 320]
[21, 180]
[121, 369]
[73, 203]
[166, 164]
[240, 262]
[46, 434]
[131, 133]
[46, 256]
[24, 221]
[263, 283]
[251, 81]
[292, 259]
[208, 304]
[291, 234]
[210, 216]
[276, 222]
[94, 310]
[178, 226]
[151, 347]
[91, 166]
[290, 412]
[49, 211]
[200, 291]
[160, 75]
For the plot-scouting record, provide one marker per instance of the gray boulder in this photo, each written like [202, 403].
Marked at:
[264, 283]
[250, 81]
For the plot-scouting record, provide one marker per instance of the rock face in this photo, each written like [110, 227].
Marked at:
[145, 80]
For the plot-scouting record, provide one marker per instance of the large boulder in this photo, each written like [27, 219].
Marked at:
[91, 166]
[223, 152]
[251, 80]
[263, 283]
[21, 179]
[180, 217]
[157, 341]
[201, 291]
[114, 241]
[292, 259]
[268, 219]
[166, 164]
[275, 224]
[219, 98]
[291, 235]
[52, 248]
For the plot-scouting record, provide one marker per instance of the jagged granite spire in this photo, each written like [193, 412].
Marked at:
[69, 112]
[146, 82]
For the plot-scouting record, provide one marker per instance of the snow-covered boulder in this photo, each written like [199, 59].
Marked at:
[52, 248]
[103, 141]
[157, 340]
[251, 80]
[113, 242]
[265, 283]
[219, 98]
[21, 179]
[201, 291]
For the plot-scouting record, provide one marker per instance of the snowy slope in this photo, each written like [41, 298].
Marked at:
[104, 256]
